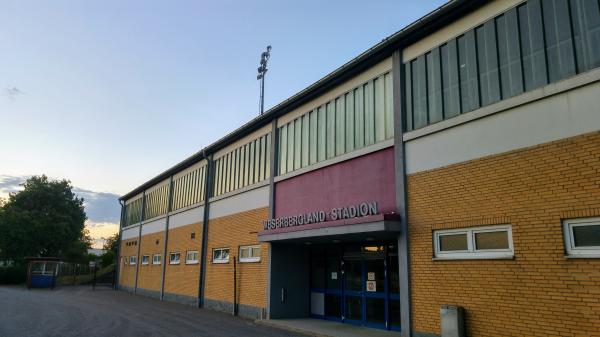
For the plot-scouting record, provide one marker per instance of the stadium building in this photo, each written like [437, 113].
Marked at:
[457, 162]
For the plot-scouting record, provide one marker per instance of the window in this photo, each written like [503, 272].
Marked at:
[191, 257]
[474, 243]
[221, 255]
[156, 259]
[125, 260]
[145, 259]
[249, 253]
[527, 47]
[175, 258]
[132, 260]
[582, 237]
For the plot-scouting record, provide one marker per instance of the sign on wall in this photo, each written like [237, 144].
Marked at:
[348, 212]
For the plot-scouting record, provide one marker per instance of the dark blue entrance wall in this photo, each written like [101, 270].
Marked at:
[290, 270]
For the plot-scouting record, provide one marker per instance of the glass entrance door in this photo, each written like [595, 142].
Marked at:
[365, 300]
[356, 283]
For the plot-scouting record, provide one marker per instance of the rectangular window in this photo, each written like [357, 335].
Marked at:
[220, 255]
[450, 80]
[145, 259]
[125, 260]
[191, 257]
[582, 237]
[249, 253]
[474, 243]
[467, 59]
[156, 259]
[175, 258]
[132, 260]
[532, 44]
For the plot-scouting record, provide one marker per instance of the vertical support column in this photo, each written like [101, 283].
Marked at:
[118, 255]
[207, 194]
[401, 194]
[166, 239]
[139, 242]
[273, 159]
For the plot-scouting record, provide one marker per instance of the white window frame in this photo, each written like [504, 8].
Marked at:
[154, 262]
[571, 249]
[472, 252]
[171, 260]
[193, 261]
[221, 260]
[147, 260]
[251, 258]
[133, 260]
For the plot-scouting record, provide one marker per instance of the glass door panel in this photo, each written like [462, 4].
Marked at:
[375, 292]
[353, 299]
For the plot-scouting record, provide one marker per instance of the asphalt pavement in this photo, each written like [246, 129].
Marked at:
[79, 311]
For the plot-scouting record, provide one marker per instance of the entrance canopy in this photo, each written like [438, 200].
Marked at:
[374, 227]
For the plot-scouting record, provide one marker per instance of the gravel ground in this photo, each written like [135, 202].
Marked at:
[79, 311]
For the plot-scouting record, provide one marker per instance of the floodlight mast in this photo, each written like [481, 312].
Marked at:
[262, 71]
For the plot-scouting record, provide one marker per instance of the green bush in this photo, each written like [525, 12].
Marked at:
[107, 258]
[13, 275]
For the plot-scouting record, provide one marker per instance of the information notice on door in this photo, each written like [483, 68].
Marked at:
[371, 276]
[371, 286]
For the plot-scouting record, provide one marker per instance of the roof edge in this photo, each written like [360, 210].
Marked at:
[376, 53]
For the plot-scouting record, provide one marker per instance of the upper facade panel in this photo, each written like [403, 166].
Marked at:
[503, 50]
[352, 116]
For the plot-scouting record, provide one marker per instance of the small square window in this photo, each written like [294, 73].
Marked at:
[193, 236]
[191, 257]
[249, 253]
[582, 237]
[132, 260]
[156, 259]
[145, 259]
[221, 255]
[489, 242]
[175, 258]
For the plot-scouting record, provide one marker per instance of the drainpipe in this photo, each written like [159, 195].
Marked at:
[401, 196]
[117, 275]
[139, 242]
[209, 181]
[273, 164]
[234, 287]
[166, 239]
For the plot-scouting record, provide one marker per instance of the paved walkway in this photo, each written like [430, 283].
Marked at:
[322, 328]
[78, 311]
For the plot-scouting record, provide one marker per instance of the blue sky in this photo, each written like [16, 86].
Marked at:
[110, 93]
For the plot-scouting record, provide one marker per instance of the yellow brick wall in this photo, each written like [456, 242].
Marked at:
[231, 232]
[149, 276]
[540, 292]
[183, 279]
[127, 271]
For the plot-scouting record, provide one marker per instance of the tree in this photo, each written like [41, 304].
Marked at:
[110, 245]
[44, 219]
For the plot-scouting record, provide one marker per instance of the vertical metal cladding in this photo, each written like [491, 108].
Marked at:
[534, 44]
[361, 117]
[246, 165]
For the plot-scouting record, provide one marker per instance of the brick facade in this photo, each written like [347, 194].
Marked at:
[231, 232]
[127, 272]
[539, 292]
[149, 276]
[182, 278]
